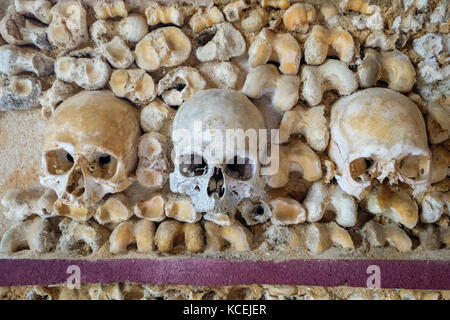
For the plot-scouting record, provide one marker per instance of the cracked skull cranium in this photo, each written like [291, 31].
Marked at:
[90, 148]
[378, 133]
[213, 172]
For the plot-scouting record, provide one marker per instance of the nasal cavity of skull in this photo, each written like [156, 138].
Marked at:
[359, 169]
[239, 168]
[193, 165]
[102, 166]
[413, 167]
[58, 161]
[75, 184]
[216, 185]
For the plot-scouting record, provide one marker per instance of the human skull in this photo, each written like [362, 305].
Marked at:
[379, 133]
[90, 148]
[216, 180]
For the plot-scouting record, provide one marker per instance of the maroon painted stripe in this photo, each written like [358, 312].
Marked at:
[408, 274]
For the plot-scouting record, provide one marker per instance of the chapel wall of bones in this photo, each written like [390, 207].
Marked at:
[359, 92]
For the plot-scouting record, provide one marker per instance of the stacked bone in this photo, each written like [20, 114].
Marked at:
[350, 169]
[136, 291]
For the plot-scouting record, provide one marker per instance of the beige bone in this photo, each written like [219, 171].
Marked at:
[323, 42]
[380, 235]
[181, 208]
[438, 123]
[226, 43]
[296, 157]
[152, 209]
[333, 74]
[188, 78]
[396, 205]
[321, 198]
[103, 31]
[68, 28]
[266, 79]
[88, 73]
[309, 122]
[278, 47]
[434, 205]
[239, 237]
[140, 232]
[117, 53]
[440, 163]
[134, 84]
[254, 212]
[322, 236]
[39, 9]
[157, 14]
[222, 75]
[111, 10]
[361, 6]
[255, 20]
[286, 211]
[280, 4]
[133, 28]
[21, 204]
[233, 10]
[15, 60]
[157, 116]
[20, 92]
[113, 210]
[163, 47]
[58, 92]
[154, 166]
[298, 17]
[34, 234]
[392, 67]
[79, 214]
[171, 233]
[76, 236]
[205, 18]
[16, 29]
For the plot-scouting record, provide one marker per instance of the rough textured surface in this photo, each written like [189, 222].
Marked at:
[134, 291]
[20, 141]
[414, 274]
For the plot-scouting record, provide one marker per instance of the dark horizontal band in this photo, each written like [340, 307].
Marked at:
[407, 274]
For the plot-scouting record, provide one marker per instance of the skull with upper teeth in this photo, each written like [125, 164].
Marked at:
[210, 168]
[90, 148]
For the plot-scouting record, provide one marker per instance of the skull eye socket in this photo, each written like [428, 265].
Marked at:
[58, 161]
[193, 165]
[240, 168]
[102, 166]
[413, 167]
[359, 169]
